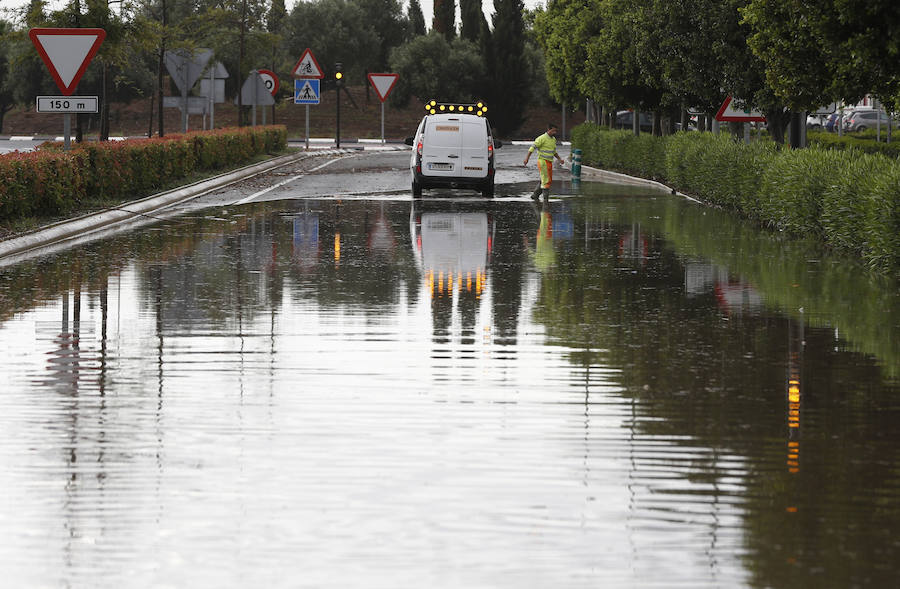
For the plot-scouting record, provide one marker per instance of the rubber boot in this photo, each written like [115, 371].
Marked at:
[546, 193]
[536, 195]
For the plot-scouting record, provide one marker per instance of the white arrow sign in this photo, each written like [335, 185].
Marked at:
[67, 53]
[383, 84]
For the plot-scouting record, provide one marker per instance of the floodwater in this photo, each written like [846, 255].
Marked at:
[619, 389]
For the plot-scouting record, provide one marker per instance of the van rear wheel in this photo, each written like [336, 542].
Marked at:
[416, 189]
[488, 190]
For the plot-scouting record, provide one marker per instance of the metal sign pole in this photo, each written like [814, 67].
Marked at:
[307, 126]
[212, 98]
[184, 102]
[382, 123]
[67, 131]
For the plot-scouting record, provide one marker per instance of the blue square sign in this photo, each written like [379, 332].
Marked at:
[306, 91]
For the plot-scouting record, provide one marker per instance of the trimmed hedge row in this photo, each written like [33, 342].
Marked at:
[866, 144]
[845, 197]
[51, 181]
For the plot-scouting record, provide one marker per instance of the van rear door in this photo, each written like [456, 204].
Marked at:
[474, 148]
[441, 153]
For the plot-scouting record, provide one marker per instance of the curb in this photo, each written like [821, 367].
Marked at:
[78, 227]
[617, 178]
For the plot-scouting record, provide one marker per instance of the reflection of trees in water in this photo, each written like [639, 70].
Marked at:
[822, 508]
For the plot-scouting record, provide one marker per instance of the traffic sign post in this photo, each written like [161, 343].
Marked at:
[383, 84]
[185, 68]
[306, 88]
[307, 67]
[728, 112]
[66, 52]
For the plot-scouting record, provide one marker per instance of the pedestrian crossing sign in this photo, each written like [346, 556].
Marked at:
[306, 91]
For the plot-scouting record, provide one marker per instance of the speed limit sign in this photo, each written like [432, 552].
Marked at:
[270, 80]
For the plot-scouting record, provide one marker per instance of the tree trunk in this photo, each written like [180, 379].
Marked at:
[776, 120]
[104, 105]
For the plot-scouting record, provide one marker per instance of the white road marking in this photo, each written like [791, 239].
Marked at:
[255, 195]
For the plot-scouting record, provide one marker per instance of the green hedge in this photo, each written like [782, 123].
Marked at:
[846, 197]
[51, 181]
[862, 143]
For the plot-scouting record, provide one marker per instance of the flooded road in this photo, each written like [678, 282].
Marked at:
[618, 389]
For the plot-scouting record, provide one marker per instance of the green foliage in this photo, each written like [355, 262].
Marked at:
[471, 19]
[444, 21]
[508, 73]
[882, 226]
[815, 52]
[52, 181]
[790, 196]
[866, 144]
[358, 33]
[416, 19]
[423, 64]
[848, 199]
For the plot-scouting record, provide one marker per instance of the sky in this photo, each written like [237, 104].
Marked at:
[427, 6]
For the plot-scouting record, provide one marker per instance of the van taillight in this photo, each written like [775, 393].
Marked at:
[490, 148]
[419, 147]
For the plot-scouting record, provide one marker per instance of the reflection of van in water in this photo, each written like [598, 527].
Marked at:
[453, 150]
[452, 249]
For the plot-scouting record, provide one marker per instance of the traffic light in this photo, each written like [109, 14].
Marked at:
[338, 74]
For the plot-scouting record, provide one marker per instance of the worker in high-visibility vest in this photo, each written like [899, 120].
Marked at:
[546, 147]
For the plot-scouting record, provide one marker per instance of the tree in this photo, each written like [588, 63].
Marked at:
[416, 19]
[7, 100]
[423, 64]
[471, 17]
[348, 37]
[562, 30]
[444, 20]
[816, 51]
[508, 71]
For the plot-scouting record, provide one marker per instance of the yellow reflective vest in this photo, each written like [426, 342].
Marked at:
[545, 146]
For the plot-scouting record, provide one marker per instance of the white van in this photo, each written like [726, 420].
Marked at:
[453, 149]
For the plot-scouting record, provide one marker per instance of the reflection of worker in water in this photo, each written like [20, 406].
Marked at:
[544, 254]
[546, 148]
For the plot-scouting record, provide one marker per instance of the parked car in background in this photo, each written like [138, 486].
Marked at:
[862, 119]
[816, 122]
[625, 118]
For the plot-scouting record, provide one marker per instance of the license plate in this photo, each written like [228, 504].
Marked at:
[434, 166]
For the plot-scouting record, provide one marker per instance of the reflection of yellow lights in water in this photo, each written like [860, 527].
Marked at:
[337, 247]
[454, 282]
[794, 403]
[793, 460]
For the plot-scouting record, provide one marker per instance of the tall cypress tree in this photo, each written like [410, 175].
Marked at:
[509, 68]
[471, 17]
[416, 19]
[445, 18]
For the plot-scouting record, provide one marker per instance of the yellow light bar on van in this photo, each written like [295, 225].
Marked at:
[478, 108]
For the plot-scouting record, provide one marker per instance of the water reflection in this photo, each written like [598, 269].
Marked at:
[614, 388]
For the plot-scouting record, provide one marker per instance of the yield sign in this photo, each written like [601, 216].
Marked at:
[67, 53]
[728, 112]
[383, 84]
[307, 67]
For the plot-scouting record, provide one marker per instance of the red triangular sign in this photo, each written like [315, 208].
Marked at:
[67, 53]
[383, 84]
[307, 66]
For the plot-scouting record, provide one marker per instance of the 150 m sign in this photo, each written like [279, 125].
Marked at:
[68, 104]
